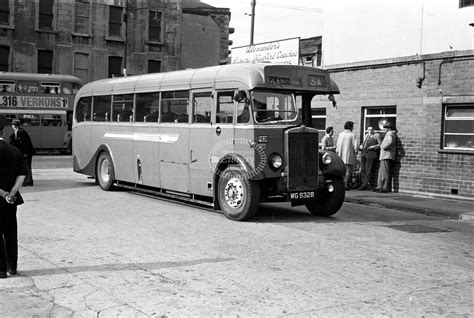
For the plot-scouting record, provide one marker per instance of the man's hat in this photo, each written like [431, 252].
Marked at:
[3, 122]
[387, 124]
[16, 122]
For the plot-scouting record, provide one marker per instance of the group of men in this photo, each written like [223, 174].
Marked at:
[373, 149]
[15, 171]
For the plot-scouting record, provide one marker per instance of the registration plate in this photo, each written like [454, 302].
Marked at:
[302, 195]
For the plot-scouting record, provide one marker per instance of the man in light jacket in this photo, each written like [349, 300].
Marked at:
[346, 149]
[388, 150]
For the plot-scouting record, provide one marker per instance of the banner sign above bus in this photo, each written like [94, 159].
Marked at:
[33, 101]
[277, 52]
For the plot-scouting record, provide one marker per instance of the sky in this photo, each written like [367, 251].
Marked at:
[274, 19]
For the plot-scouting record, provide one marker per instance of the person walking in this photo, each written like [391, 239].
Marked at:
[21, 140]
[388, 151]
[369, 155]
[346, 149]
[327, 143]
[12, 174]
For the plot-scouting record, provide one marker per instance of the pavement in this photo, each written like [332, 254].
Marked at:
[452, 208]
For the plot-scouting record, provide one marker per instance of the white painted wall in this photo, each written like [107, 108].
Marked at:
[365, 30]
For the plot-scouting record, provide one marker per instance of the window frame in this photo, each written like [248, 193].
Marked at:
[11, 16]
[151, 61]
[8, 51]
[75, 16]
[52, 61]
[443, 146]
[75, 63]
[384, 115]
[149, 27]
[54, 14]
[111, 57]
[120, 37]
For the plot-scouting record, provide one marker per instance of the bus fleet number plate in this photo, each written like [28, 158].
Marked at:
[302, 195]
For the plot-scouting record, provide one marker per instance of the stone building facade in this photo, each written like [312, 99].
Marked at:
[101, 38]
[430, 98]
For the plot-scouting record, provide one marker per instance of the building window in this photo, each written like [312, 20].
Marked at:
[45, 61]
[154, 66]
[466, 3]
[115, 21]
[115, 66]
[155, 19]
[81, 17]
[5, 12]
[4, 58]
[458, 131]
[81, 63]
[46, 15]
[376, 116]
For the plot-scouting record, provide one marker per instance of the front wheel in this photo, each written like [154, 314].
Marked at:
[105, 173]
[328, 203]
[238, 196]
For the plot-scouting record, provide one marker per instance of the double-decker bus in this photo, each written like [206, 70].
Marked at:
[229, 137]
[44, 105]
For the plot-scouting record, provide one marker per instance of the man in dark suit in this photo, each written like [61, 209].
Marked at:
[369, 156]
[12, 175]
[21, 140]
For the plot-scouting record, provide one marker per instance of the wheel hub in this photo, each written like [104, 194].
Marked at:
[234, 192]
[105, 171]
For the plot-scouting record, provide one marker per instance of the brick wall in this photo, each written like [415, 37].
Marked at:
[447, 78]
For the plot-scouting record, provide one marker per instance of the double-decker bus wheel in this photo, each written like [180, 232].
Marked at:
[328, 203]
[105, 173]
[238, 196]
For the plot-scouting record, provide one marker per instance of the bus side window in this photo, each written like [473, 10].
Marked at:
[202, 107]
[147, 107]
[7, 87]
[67, 88]
[174, 106]
[225, 107]
[122, 108]
[83, 109]
[101, 109]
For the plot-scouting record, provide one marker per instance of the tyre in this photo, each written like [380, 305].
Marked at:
[105, 174]
[238, 196]
[328, 203]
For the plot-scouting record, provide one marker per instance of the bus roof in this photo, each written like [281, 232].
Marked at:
[16, 76]
[238, 76]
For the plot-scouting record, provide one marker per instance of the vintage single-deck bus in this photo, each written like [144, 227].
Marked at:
[228, 136]
[44, 105]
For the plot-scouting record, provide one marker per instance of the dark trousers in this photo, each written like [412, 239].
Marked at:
[29, 175]
[383, 181]
[8, 238]
[367, 162]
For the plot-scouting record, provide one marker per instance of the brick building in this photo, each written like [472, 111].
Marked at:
[428, 94]
[430, 99]
[100, 38]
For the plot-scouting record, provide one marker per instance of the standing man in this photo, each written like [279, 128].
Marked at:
[346, 149]
[21, 140]
[327, 143]
[388, 151]
[369, 155]
[12, 174]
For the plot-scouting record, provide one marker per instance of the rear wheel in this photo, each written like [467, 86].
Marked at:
[328, 203]
[238, 196]
[105, 173]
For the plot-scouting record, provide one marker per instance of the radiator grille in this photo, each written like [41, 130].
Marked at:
[302, 160]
